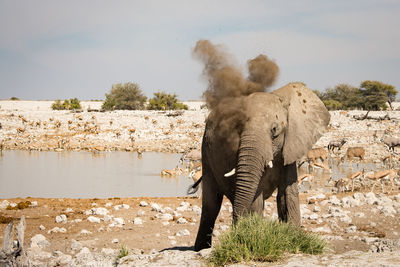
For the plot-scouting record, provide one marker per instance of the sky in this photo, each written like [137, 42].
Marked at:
[63, 49]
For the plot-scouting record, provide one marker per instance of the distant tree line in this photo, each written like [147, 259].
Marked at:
[129, 96]
[371, 95]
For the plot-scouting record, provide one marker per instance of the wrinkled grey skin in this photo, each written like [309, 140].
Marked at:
[281, 127]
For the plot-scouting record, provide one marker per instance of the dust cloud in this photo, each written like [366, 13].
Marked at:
[227, 87]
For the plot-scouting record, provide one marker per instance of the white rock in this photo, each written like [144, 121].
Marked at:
[388, 210]
[155, 207]
[176, 214]
[167, 210]
[324, 202]
[38, 254]
[108, 218]
[39, 241]
[320, 196]
[371, 199]
[183, 232]
[57, 230]
[115, 241]
[360, 214]
[69, 210]
[4, 204]
[93, 219]
[316, 208]
[137, 221]
[75, 245]
[334, 200]
[196, 209]
[119, 221]
[34, 204]
[351, 229]
[359, 196]
[85, 232]
[61, 219]
[346, 219]
[125, 206]
[143, 204]
[166, 217]
[108, 204]
[99, 211]
[182, 220]
[41, 227]
[109, 251]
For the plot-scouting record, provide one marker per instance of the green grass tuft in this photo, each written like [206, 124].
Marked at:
[123, 251]
[254, 238]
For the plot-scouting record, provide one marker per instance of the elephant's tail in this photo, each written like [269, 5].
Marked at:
[193, 188]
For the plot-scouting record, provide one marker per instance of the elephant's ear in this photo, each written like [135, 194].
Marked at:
[307, 120]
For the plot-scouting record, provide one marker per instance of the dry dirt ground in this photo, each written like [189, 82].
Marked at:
[158, 233]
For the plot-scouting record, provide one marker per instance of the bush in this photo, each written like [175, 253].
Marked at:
[14, 98]
[256, 239]
[164, 101]
[332, 104]
[124, 96]
[71, 104]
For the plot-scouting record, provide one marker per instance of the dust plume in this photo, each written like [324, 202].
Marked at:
[227, 86]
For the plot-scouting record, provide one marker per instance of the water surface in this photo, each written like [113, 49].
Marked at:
[88, 175]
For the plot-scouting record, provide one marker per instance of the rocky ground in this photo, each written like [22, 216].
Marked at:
[362, 228]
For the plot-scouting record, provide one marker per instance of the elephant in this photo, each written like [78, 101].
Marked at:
[280, 128]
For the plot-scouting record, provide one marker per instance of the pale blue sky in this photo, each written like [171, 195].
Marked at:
[63, 49]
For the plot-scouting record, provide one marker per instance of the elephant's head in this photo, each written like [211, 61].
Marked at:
[281, 127]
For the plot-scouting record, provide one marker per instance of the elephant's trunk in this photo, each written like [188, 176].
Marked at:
[252, 157]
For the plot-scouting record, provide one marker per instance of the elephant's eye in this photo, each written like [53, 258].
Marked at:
[275, 131]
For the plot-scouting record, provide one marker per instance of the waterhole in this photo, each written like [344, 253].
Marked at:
[89, 175]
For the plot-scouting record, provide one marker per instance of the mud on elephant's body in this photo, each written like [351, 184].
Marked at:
[281, 127]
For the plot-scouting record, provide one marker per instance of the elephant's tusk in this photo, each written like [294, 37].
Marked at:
[270, 164]
[232, 172]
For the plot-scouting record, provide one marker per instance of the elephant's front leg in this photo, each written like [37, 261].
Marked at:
[211, 204]
[288, 196]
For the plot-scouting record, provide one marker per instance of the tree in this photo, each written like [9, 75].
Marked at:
[125, 96]
[377, 94]
[164, 101]
[348, 96]
[332, 104]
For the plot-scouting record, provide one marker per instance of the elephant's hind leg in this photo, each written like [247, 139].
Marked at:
[288, 196]
[211, 204]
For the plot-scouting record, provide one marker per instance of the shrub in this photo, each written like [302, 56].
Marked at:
[256, 239]
[123, 252]
[124, 96]
[164, 101]
[332, 104]
[70, 104]
[57, 105]
[14, 98]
